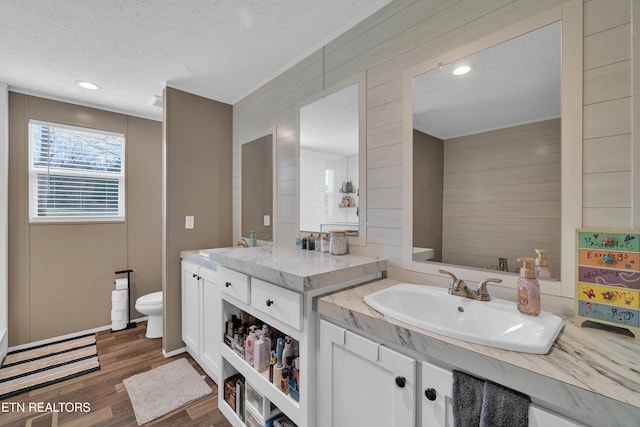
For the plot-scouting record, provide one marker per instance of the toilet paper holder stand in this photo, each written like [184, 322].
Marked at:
[130, 324]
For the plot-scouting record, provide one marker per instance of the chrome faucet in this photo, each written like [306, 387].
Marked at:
[459, 288]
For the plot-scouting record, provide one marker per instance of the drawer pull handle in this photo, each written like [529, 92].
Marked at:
[227, 284]
[430, 394]
[194, 275]
[401, 381]
[269, 303]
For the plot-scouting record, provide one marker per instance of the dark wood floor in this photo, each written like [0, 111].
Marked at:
[122, 354]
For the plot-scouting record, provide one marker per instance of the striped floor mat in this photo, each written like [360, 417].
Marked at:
[35, 367]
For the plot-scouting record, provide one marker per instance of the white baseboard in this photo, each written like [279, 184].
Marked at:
[67, 336]
[173, 352]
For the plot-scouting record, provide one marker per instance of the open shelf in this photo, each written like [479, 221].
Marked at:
[284, 402]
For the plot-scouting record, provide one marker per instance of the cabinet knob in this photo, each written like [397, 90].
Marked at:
[194, 275]
[227, 284]
[430, 394]
[401, 381]
[269, 303]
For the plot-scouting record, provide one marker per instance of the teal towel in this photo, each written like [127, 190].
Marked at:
[480, 403]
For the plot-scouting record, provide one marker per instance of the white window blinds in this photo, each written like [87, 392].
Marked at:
[75, 174]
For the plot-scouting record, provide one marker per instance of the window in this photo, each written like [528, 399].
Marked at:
[75, 174]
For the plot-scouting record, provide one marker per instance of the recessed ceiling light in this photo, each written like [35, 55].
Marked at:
[87, 85]
[463, 69]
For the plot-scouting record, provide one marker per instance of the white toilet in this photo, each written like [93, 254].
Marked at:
[151, 305]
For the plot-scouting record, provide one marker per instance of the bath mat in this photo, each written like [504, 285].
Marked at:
[39, 366]
[164, 389]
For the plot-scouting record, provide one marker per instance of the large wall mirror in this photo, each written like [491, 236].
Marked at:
[256, 182]
[331, 153]
[492, 153]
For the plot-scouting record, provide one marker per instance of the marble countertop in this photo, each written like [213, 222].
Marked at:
[591, 375]
[290, 266]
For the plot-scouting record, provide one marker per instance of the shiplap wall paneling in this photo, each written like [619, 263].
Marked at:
[607, 145]
[502, 195]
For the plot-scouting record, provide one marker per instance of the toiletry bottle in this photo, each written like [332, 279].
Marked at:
[288, 348]
[261, 353]
[284, 381]
[253, 241]
[272, 363]
[296, 365]
[311, 242]
[528, 289]
[277, 368]
[249, 345]
[542, 264]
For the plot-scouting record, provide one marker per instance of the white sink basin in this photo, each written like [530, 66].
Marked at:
[496, 323]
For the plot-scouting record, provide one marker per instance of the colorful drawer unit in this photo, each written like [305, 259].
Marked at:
[608, 278]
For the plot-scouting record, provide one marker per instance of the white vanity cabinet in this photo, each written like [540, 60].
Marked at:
[363, 383]
[191, 317]
[435, 392]
[278, 286]
[281, 309]
[201, 317]
[435, 396]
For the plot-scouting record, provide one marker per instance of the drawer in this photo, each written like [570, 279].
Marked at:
[234, 283]
[280, 303]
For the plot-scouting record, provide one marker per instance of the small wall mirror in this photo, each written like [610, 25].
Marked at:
[256, 182]
[331, 184]
[495, 153]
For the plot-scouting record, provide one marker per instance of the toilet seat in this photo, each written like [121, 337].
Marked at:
[154, 298]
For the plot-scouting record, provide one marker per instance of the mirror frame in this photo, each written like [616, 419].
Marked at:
[361, 80]
[570, 13]
[273, 132]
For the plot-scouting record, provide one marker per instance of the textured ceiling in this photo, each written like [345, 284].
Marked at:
[220, 49]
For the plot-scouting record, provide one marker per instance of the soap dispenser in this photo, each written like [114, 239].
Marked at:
[528, 289]
[542, 264]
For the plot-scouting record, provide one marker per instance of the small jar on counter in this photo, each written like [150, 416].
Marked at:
[324, 243]
[338, 243]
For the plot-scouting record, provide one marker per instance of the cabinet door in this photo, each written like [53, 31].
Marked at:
[191, 308]
[211, 323]
[362, 383]
[539, 417]
[435, 395]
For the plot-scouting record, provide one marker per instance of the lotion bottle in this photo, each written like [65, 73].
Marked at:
[528, 289]
[262, 350]
[249, 345]
[542, 264]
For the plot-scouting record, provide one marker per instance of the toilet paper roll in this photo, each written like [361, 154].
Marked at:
[119, 305]
[116, 326]
[122, 284]
[120, 295]
[118, 316]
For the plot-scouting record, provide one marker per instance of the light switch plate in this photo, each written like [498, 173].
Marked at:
[188, 222]
[267, 220]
